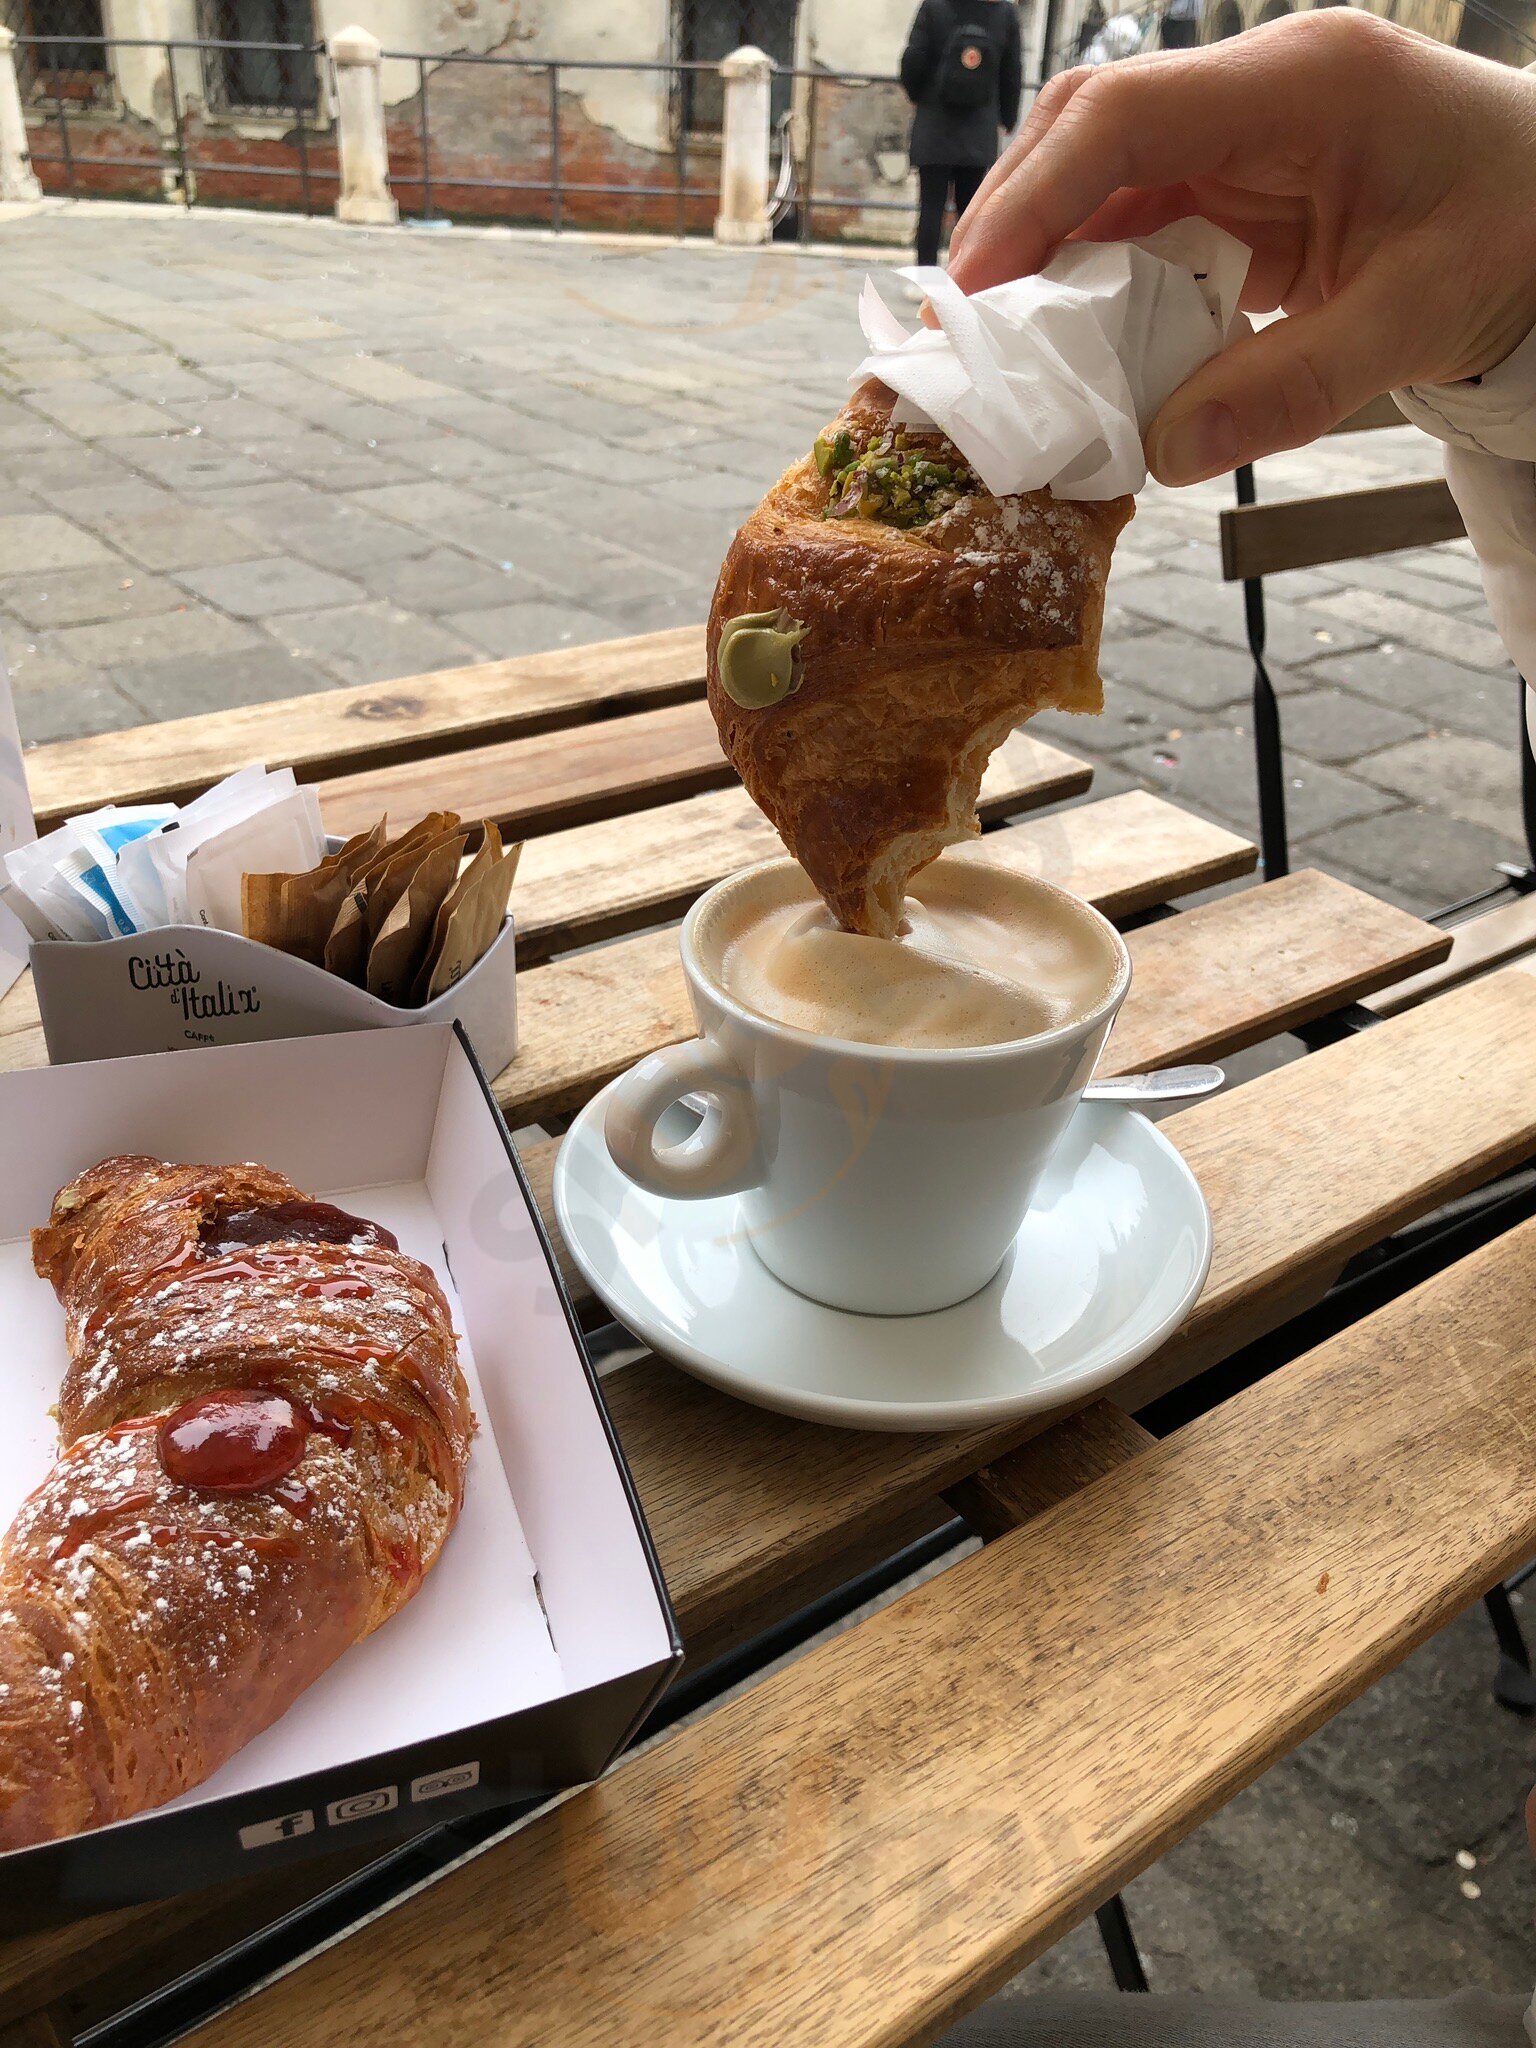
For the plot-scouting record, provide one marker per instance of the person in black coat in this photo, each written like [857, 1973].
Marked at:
[963, 71]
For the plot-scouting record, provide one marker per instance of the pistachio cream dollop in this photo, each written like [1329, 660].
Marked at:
[898, 480]
[757, 658]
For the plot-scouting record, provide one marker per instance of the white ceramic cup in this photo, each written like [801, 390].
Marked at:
[886, 1179]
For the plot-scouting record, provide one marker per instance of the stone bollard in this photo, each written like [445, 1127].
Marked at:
[365, 197]
[745, 153]
[18, 180]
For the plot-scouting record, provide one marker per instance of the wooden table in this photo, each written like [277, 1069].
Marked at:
[864, 1844]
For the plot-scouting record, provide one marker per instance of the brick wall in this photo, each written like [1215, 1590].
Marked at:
[491, 124]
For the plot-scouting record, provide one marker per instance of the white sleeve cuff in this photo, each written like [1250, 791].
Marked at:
[1494, 413]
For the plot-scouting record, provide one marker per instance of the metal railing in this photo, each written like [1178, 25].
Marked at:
[173, 153]
[426, 167]
[556, 189]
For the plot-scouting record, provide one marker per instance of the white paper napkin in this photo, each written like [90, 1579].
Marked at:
[1052, 380]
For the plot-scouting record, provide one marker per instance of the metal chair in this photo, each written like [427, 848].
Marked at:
[1492, 926]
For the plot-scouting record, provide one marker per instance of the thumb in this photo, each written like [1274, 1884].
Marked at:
[1278, 388]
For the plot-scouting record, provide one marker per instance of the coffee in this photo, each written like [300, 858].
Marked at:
[984, 957]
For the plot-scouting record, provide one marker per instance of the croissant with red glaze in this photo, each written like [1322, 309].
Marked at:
[263, 1438]
[880, 625]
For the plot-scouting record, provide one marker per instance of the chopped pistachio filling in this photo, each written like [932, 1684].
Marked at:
[895, 480]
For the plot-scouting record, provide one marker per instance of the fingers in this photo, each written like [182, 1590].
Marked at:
[1158, 121]
[1049, 101]
[1281, 387]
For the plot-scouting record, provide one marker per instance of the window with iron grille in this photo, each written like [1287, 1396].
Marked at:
[257, 80]
[63, 70]
[708, 30]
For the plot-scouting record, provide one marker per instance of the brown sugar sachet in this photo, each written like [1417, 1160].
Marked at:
[398, 952]
[377, 885]
[295, 913]
[346, 949]
[387, 880]
[404, 918]
[470, 918]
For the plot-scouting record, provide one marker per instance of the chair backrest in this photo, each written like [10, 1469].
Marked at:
[1306, 533]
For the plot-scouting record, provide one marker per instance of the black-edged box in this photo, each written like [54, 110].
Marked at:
[543, 1636]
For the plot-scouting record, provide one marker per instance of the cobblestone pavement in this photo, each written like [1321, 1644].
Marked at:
[241, 458]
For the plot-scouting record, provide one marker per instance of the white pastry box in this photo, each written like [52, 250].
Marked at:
[191, 985]
[543, 1637]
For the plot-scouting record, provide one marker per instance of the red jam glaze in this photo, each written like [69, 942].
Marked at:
[334, 1290]
[296, 1498]
[165, 1538]
[81, 1528]
[235, 1440]
[83, 1444]
[332, 1423]
[228, 1230]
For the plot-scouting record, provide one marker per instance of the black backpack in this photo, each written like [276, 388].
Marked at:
[968, 68]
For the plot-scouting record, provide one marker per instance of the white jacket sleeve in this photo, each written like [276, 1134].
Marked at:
[1489, 427]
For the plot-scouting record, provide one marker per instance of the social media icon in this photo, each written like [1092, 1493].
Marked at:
[440, 1783]
[283, 1829]
[362, 1805]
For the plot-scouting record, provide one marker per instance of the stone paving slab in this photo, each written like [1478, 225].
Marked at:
[242, 458]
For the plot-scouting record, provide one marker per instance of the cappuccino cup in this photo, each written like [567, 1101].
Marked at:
[884, 1108]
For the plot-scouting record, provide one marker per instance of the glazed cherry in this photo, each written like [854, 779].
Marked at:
[236, 1440]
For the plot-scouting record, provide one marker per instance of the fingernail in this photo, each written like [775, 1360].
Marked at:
[1203, 443]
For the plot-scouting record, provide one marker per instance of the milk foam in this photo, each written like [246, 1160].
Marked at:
[984, 957]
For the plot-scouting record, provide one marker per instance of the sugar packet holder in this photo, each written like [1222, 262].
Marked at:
[188, 985]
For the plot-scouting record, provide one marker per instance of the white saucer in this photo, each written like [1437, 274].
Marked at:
[1110, 1260]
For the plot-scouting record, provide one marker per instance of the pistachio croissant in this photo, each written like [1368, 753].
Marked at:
[880, 625]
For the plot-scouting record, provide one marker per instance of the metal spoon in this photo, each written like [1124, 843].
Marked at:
[1164, 1084]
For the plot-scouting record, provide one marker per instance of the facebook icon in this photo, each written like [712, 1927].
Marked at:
[283, 1829]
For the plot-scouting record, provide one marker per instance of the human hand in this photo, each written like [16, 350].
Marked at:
[1385, 184]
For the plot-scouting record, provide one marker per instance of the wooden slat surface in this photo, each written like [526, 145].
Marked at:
[319, 734]
[879, 1835]
[581, 1021]
[1302, 1168]
[1048, 1468]
[533, 785]
[602, 771]
[596, 881]
[549, 779]
[1223, 975]
[1506, 933]
[1298, 533]
[21, 1035]
[1248, 967]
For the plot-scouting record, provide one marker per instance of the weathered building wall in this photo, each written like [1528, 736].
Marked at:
[488, 126]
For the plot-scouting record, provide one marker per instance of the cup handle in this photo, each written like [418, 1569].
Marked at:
[720, 1158]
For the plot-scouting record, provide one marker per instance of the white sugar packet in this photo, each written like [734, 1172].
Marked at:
[285, 836]
[160, 865]
[1051, 381]
[49, 876]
